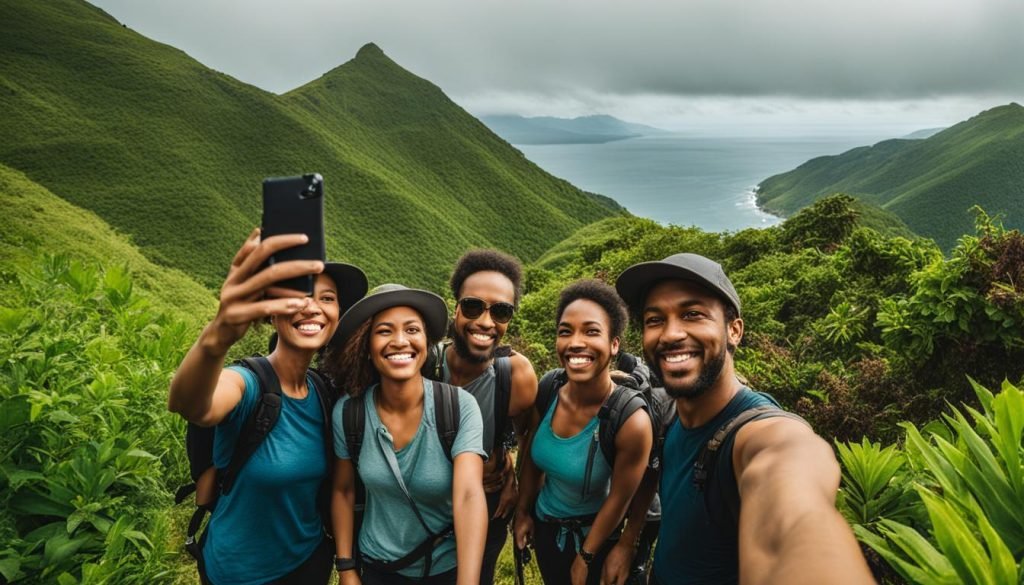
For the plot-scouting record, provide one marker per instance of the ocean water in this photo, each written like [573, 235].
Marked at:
[707, 181]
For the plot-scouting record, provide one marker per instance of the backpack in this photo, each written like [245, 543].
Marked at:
[504, 435]
[617, 408]
[722, 503]
[208, 482]
[447, 417]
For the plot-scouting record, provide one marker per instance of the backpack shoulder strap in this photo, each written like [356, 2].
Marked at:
[259, 424]
[325, 396]
[548, 386]
[446, 415]
[707, 460]
[353, 418]
[502, 399]
[621, 405]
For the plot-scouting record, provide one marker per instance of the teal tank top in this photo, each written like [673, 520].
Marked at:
[691, 549]
[566, 492]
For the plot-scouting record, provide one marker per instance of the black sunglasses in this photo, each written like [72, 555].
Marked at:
[472, 308]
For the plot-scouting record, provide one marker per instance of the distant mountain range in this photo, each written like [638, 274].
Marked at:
[929, 183]
[172, 153]
[922, 134]
[550, 130]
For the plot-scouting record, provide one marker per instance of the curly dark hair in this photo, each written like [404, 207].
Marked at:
[604, 295]
[480, 260]
[346, 364]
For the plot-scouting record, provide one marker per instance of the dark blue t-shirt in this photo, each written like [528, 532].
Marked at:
[691, 549]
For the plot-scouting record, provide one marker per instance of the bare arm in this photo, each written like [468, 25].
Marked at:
[619, 563]
[470, 510]
[790, 530]
[201, 392]
[530, 480]
[632, 450]
[343, 505]
[523, 395]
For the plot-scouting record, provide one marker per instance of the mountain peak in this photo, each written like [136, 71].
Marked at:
[369, 51]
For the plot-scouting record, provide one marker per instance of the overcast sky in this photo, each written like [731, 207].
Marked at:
[670, 63]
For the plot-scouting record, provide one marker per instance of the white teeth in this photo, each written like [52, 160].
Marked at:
[678, 358]
[310, 327]
[400, 357]
[579, 360]
[480, 336]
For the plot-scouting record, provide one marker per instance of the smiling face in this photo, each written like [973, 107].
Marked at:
[476, 339]
[687, 337]
[398, 343]
[584, 344]
[313, 327]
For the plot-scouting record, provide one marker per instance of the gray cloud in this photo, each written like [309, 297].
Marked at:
[803, 49]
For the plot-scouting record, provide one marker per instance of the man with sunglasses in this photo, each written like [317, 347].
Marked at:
[487, 285]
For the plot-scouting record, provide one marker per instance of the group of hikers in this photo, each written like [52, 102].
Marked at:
[420, 440]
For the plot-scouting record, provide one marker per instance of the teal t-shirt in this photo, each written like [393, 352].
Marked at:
[691, 549]
[268, 524]
[390, 528]
[564, 463]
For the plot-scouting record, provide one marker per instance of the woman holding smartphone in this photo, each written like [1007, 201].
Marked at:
[422, 497]
[574, 519]
[272, 506]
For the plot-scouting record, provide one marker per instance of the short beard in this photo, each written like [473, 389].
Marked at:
[463, 351]
[709, 374]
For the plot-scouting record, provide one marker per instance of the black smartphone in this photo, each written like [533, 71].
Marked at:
[295, 205]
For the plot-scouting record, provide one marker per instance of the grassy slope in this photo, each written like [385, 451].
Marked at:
[929, 183]
[47, 222]
[172, 153]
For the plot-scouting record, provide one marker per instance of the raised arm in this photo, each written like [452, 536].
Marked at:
[790, 530]
[632, 450]
[201, 391]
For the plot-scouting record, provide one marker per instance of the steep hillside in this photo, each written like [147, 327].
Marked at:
[173, 153]
[45, 222]
[929, 183]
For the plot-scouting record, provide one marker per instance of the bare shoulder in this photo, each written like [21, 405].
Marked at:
[521, 365]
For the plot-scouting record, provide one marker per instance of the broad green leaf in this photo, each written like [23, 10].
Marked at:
[957, 541]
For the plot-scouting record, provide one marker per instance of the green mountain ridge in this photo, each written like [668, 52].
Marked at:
[930, 184]
[172, 153]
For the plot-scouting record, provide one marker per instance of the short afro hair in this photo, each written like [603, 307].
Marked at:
[487, 260]
[604, 295]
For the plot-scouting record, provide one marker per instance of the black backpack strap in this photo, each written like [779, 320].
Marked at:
[707, 460]
[502, 400]
[258, 425]
[446, 415]
[547, 389]
[353, 418]
[614, 413]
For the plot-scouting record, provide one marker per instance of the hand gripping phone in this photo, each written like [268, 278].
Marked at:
[295, 205]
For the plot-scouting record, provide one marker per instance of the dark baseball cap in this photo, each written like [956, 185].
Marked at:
[634, 283]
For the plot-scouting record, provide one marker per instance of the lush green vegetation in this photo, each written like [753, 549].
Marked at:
[855, 330]
[172, 153]
[931, 184]
[88, 453]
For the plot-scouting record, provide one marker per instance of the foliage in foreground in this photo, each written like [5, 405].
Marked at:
[944, 508]
[87, 448]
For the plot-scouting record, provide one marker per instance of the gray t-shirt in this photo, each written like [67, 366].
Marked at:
[483, 389]
[390, 529]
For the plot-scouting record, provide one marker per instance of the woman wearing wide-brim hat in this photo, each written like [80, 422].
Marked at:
[425, 516]
[272, 506]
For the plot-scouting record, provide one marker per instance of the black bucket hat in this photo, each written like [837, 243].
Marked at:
[430, 306]
[636, 280]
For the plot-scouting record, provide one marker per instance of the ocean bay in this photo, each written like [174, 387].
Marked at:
[686, 179]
